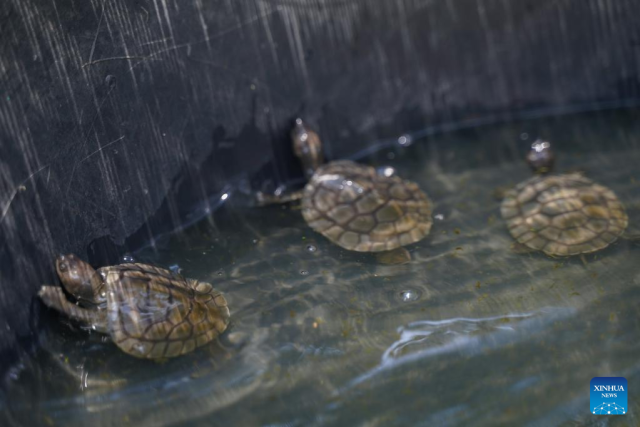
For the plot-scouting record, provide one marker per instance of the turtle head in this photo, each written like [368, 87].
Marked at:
[541, 157]
[79, 278]
[307, 147]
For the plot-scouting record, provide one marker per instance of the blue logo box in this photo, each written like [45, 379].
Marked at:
[609, 396]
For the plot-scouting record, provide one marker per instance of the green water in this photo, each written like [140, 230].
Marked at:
[468, 333]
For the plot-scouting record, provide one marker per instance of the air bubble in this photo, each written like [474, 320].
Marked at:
[539, 146]
[439, 217]
[408, 295]
[405, 140]
[128, 258]
[110, 81]
[311, 248]
[391, 155]
[304, 272]
[220, 273]
[14, 372]
[386, 171]
[524, 136]
[175, 268]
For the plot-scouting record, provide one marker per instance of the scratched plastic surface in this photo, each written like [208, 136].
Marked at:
[468, 333]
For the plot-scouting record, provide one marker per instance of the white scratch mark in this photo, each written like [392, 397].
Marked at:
[19, 187]
[95, 38]
[167, 17]
[155, 41]
[75, 166]
[295, 42]
[404, 28]
[209, 38]
[203, 23]
[101, 148]
[93, 123]
[250, 78]
[113, 58]
[95, 205]
[146, 12]
[267, 30]
[159, 18]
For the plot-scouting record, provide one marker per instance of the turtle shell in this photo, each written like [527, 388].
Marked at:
[155, 313]
[357, 208]
[563, 214]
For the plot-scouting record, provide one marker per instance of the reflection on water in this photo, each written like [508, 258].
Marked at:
[428, 338]
[466, 333]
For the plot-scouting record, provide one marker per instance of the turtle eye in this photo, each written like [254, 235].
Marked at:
[62, 267]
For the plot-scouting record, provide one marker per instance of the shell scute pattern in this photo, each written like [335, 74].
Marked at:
[363, 224]
[358, 209]
[155, 313]
[563, 214]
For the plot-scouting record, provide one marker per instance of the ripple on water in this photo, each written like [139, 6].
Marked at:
[429, 338]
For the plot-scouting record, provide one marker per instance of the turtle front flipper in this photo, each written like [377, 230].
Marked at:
[53, 297]
[520, 249]
[499, 193]
[395, 256]
[632, 234]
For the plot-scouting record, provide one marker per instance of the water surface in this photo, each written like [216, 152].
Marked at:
[468, 333]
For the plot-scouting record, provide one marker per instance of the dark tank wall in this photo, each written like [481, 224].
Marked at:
[120, 118]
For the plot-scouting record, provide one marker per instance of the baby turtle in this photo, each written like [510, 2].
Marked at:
[353, 205]
[147, 311]
[561, 215]
[360, 210]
